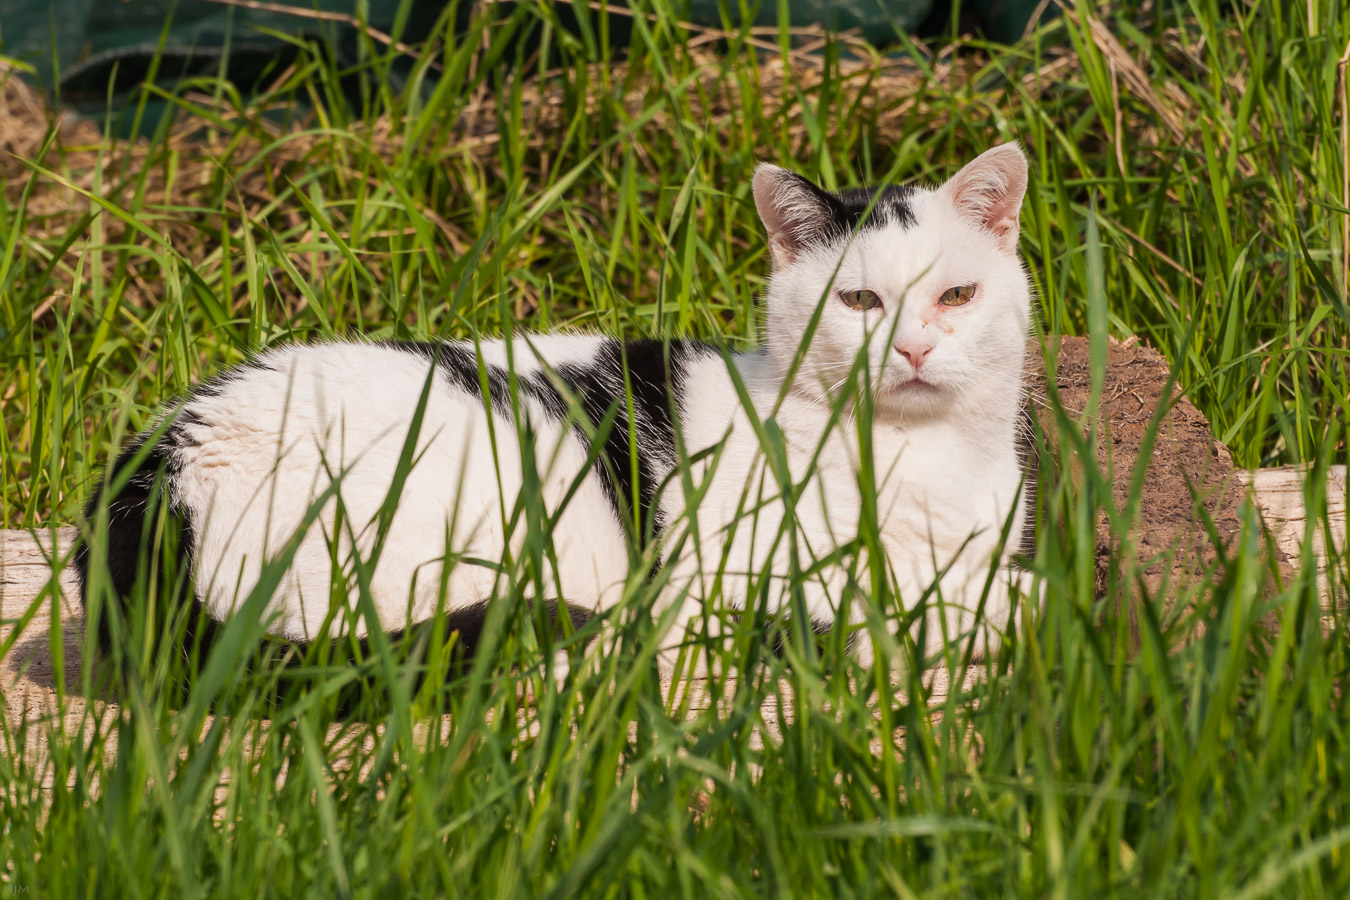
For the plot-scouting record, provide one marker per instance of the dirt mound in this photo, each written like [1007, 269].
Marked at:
[1191, 498]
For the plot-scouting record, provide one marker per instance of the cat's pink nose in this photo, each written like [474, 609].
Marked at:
[915, 353]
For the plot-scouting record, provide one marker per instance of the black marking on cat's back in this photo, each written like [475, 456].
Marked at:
[460, 366]
[644, 405]
[133, 535]
[655, 370]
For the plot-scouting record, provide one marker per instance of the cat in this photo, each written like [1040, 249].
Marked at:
[915, 297]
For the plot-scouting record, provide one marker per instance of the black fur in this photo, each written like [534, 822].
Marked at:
[891, 207]
[131, 537]
[461, 367]
[468, 622]
[844, 213]
[654, 372]
[819, 633]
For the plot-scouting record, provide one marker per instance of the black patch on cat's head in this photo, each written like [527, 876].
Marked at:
[889, 205]
[798, 215]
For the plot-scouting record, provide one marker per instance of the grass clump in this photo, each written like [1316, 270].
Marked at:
[1188, 167]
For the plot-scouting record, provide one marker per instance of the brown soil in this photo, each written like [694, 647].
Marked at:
[1190, 488]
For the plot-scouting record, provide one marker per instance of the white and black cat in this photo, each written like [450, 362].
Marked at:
[916, 295]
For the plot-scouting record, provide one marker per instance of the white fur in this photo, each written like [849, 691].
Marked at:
[268, 443]
[272, 442]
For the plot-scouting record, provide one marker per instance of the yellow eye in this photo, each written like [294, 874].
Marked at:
[860, 299]
[958, 295]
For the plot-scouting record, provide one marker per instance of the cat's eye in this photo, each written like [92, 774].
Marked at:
[862, 300]
[958, 295]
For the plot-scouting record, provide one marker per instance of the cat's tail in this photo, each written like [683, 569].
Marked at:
[147, 541]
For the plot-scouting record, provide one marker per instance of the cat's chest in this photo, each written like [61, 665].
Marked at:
[928, 486]
[937, 482]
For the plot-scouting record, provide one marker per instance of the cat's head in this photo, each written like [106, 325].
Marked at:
[928, 285]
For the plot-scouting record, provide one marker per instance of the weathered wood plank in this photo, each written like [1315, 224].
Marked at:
[1279, 494]
[25, 563]
[25, 558]
[26, 600]
[26, 671]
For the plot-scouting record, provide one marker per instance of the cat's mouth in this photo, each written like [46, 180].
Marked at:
[914, 384]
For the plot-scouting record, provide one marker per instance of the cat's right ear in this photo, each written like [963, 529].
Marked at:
[794, 212]
[989, 191]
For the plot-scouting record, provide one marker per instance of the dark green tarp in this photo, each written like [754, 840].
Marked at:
[76, 46]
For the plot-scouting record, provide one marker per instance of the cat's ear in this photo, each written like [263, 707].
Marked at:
[989, 191]
[794, 211]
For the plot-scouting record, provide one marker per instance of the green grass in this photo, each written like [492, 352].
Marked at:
[1198, 208]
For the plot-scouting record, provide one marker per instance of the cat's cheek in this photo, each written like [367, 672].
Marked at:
[947, 320]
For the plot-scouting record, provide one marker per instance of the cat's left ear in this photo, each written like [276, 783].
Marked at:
[989, 191]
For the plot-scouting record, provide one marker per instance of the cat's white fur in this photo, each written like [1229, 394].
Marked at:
[944, 451]
[274, 441]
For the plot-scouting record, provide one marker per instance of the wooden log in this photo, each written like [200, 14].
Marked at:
[28, 677]
[26, 560]
[1279, 495]
[26, 565]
